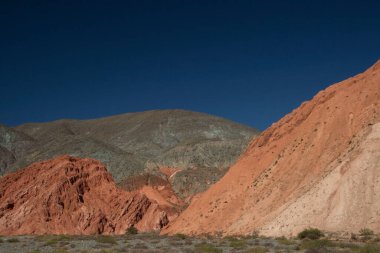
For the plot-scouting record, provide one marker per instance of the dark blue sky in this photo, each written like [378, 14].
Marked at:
[248, 61]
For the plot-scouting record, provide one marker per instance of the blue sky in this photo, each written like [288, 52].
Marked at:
[248, 61]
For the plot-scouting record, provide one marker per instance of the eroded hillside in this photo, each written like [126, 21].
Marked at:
[70, 195]
[318, 166]
[200, 146]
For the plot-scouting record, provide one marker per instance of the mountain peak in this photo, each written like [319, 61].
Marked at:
[376, 66]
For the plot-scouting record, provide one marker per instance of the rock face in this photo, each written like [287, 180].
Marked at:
[200, 145]
[319, 166]
[69, 195]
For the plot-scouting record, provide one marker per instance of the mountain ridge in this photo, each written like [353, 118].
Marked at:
[133, 144]
[288, 159]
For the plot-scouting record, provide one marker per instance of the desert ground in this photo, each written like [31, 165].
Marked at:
[152, 242]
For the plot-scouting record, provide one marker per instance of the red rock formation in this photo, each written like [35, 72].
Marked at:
[318, 166]
[158, 188]
[169, 172]
[69, 195]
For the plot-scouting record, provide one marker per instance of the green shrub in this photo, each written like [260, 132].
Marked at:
[285, 241]
[106, 239]
[13, 240]
[229, 238]
[237, 244]
[51, 242]
[366, 232]
[253, 235]
[64, 238]
[132, 231]
[207, 248]
[311, 233]
[54, 239]
[181, 236]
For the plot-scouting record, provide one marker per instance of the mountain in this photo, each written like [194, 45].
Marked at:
[12, 144]
[319, 166]
[199, 147]
[70, 195]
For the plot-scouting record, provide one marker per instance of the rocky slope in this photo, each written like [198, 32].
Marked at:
[13, 144]
[200, 146]
[69, 195]
[318, 167]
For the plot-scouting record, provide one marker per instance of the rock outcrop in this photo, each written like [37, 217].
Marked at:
[200, 145]
[70, 195]
[318, 166]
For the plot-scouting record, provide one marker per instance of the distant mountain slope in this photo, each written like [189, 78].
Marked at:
[13, 144]
[6, 158]
[319, 166]
[200, 146]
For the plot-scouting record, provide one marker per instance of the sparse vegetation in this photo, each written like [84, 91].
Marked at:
[253, 235]
[313, 244]
[366, 232]
[258, 250]
[370, 248]
[311, 233]
[238, 244]
[285, 241]
[207, 248]
[347, 245]
[140, 246]
[132, 231]
[181, 236]
[320, 250]
[106, 239]
[60, 250]
[51, 242]
[13, 240]
[152, 242]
